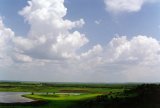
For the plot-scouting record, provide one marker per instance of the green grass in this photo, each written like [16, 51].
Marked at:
[62, 100]
[57, 87]
[63, 97]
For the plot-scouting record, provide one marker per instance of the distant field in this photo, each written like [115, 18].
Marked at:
[63, 87]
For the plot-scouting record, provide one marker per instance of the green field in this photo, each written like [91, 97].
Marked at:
[81, 95]
[60, 87]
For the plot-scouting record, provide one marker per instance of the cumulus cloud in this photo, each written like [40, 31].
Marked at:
[67, 46]
[140, 49]
[95, 51]
[49, 14]
[119, 6]
[134, 59]
[49, 35]
[6, 36]
[51, 50]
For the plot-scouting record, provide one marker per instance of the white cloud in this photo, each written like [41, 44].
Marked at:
[50, 36]
[6, 36]
[49, 14]
[137, 58]
[67, 46]
[97, 22]
[22, 58]
[51, 50]
[119, 6]
[23, 43]
[95, 51]
[141, 49]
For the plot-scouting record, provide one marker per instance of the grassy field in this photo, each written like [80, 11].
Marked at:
[47, 93]
[62, 100]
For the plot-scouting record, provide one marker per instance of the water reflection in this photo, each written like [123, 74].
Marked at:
[13, 97]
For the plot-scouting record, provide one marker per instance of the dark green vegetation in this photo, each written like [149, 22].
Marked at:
[142, 96]
[91, 95]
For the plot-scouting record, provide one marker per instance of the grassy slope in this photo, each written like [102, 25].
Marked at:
[58, 101]
[63, 97]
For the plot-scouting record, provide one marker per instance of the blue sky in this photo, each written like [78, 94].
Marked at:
[9, 10]
[104, 23]
[144, 22]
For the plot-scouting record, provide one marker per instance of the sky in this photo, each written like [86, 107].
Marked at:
[80, 40]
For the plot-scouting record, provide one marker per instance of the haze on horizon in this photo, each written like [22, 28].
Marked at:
[80, 40]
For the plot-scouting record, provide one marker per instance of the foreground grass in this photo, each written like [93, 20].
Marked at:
[63, 101]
